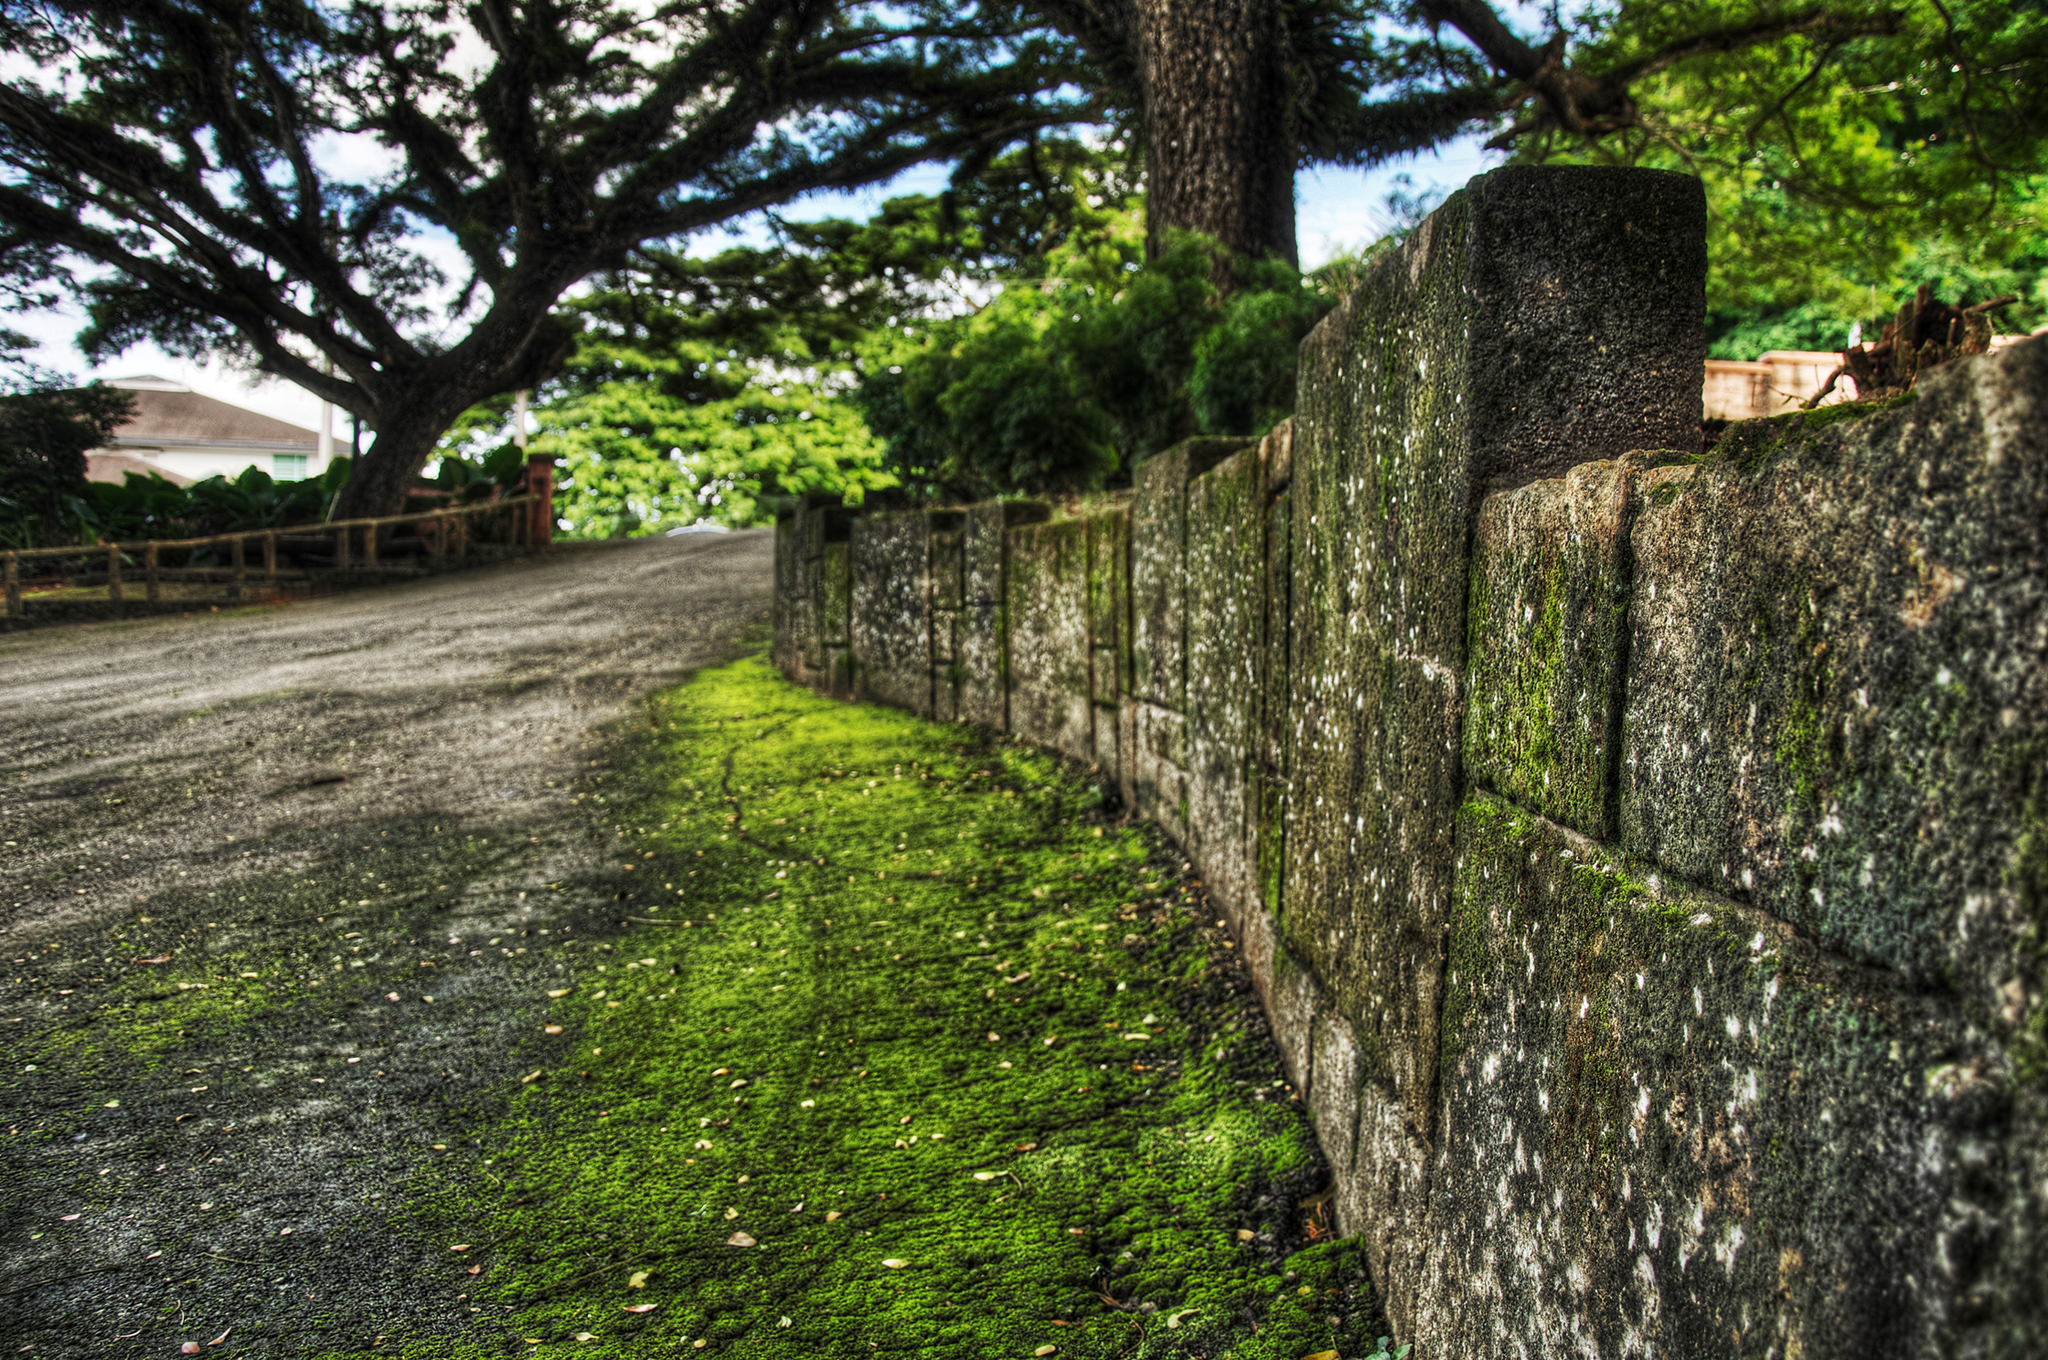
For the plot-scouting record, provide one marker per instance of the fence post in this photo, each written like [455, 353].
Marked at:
[236, 555]
[113, 573]
[151, 587]
[270, 556]
[341, 548]
[540, 484]
[13, 586]
[370, 544]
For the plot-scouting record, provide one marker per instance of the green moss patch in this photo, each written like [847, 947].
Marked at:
[905, 1048]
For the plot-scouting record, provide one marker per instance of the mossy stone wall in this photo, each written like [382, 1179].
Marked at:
[1046, 599]
[1642, 855]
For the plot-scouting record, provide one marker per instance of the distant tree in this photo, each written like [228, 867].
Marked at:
[46, 429]
[383, 202]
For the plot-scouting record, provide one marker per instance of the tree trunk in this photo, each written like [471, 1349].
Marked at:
[1220, 143]
[378, 482]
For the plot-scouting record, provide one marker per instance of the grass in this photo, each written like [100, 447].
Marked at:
[912, 1051]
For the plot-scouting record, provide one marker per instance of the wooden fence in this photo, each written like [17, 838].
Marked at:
[103, 577]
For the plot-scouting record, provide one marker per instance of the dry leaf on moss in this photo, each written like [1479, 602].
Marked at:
[739, 1239]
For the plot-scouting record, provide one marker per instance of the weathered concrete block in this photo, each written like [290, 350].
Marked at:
[1837, 701]
[1159, 567]
[788, 649]
[1672, 1126]
[1109, 600]
[1158, 765]
[891, 620]
[1226, 623]
[981, 695]
[1545, 628]
[948, 560]
[1540, 318]
[835, 588]
[837, 680]
[1046, 604]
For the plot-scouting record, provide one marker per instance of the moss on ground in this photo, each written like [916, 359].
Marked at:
[918, 1054]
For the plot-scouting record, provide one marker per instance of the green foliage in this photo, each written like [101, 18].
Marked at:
[44, 435]
[714, 388]
[1067, 381]
[145, 507]
[636, 460]
[1843, 171]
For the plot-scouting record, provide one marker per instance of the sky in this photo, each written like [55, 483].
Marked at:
[1335, 208]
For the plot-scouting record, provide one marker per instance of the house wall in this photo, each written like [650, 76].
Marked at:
[1639, 852]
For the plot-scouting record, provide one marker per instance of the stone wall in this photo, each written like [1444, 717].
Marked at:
[1642, 853]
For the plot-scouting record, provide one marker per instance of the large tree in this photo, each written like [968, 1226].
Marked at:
[1929, 111]
[383, 202]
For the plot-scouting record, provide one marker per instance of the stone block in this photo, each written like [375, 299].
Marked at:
[981, 545]
[1545, 630]
[1109, 600]
[838, 677]
[1673, 1126]
[1108, 749]
[1276, 451]
[1159, 567]
[1292, 1006]
[981, 689]
[891, 618]
[1837, 697]
[1226, 622]
[1541, 318]
[1158, 769]
[1046, 607]
[948, 558]
[790, 607]
[835, 586]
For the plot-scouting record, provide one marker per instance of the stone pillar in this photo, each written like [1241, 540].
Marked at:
[1543, 317]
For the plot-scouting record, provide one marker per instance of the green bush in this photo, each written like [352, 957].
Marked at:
[1067, 382]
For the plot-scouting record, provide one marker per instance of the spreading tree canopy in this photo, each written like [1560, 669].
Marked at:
[383, 202]
[1911, 119]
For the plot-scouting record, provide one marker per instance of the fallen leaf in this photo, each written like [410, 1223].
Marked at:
[586, 1336]
[550, 1029]
[529, 1077]
[641, 1307]
[994, 1037]
[739, 1239]
[391, 996]
[476, 1270]
[1174, 1320]
[161, 958]
[731, 1213]
[462, 1246]
[1322, 1355]
[984, 1175]
[1027, 1147]
[1245, 1234]
[222, 1337]
[1046, 1350]
[638, 1280]
[73, 1218]
[807, 1105]
[895, 1263]
[784, 1322]
[190, 1348]
[561, 991]
[832, 1216]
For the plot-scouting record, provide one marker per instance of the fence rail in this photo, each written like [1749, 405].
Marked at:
[298, 554]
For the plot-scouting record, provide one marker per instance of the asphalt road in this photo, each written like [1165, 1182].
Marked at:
[224, 837]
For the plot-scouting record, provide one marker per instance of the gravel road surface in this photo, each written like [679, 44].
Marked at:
[251, 864]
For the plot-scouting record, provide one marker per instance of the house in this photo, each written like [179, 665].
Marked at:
[184, 437]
